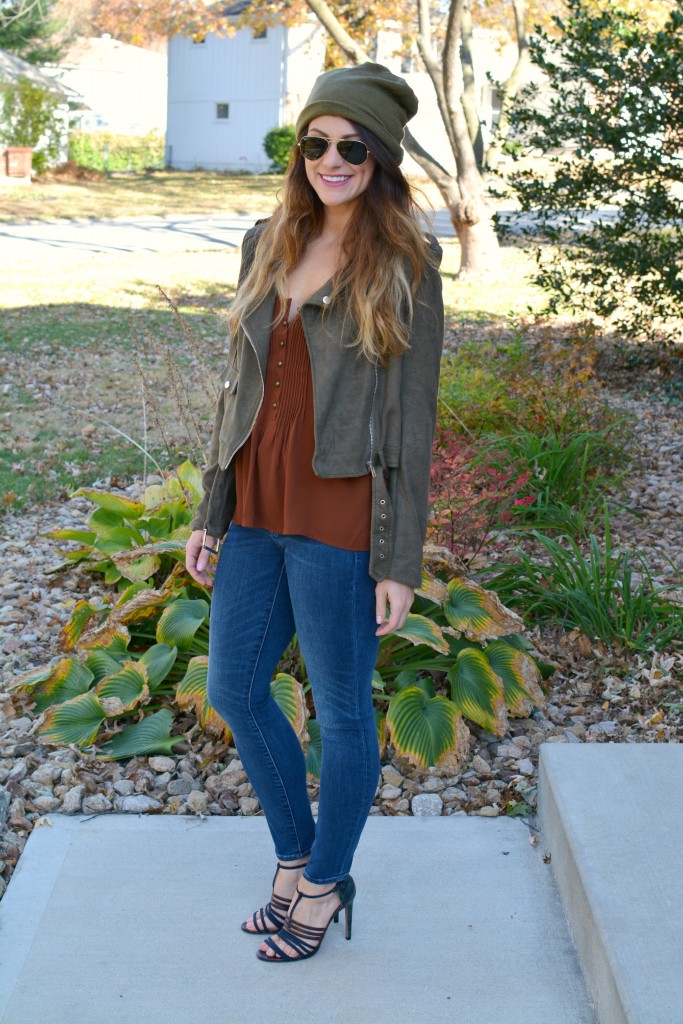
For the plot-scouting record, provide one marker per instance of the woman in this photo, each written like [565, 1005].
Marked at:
[319, 465]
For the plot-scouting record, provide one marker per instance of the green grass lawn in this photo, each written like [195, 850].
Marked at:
[71, 324]
[161, 193]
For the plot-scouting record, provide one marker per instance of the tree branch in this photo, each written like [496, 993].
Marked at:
[332, 24]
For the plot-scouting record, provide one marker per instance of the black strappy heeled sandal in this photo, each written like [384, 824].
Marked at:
[305, 940]
[274, 911]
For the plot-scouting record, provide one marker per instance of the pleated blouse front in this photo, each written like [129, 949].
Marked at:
[277, 488]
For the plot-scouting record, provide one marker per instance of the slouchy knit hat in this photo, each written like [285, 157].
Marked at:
[368, 94]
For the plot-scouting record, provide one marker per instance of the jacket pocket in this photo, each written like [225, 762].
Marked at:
[229, 379]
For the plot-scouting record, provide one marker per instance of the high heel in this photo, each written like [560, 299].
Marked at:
[274, 911]
[304, 939]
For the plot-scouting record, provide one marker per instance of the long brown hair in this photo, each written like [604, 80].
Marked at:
[384, 244]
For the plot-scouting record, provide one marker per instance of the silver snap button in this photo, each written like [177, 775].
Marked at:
[227, 383]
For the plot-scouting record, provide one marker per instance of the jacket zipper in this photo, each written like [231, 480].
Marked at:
[263, 392]
[371, 460]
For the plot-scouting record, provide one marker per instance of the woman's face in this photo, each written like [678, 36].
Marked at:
[336, 182]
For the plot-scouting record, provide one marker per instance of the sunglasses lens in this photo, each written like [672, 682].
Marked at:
[312, 147]
[353, 151]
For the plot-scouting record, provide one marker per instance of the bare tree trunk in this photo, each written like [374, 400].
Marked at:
[469, 99]
[512, 85]
[471, 219]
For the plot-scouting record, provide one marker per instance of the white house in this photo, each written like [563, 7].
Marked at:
[226, 93]
[122, 87]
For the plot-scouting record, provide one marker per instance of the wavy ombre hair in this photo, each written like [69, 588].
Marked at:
[384, 245]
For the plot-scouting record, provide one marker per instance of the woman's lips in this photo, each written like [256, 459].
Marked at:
[334, 180]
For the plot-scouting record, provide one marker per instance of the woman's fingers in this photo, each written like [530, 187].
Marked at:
[399, 597]
[197, 557]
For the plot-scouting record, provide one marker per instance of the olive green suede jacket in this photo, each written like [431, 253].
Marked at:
[368, 418]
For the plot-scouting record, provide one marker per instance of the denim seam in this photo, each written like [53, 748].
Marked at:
[255, 720]
[354, 834]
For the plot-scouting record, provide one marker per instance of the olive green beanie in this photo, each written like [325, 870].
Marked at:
[368, 94]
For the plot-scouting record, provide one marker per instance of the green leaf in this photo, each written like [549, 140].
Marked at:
[102, 664]
[422, 729]
[478, 613]
[520, 677]
[82, 536]
[407, 677]
[150, 736]
[421, 630]
[124, 690]
[289, 696]
[136, 569]
[83, 612]
[115, 539]
[101, 519]
[76, 721]
[158, 660]
[67, 679]
[180, 621]
[191, 477]
[314, 748]
[191, 693]
[377, 681]
[115, 503]
[129, 592]
[477, 691]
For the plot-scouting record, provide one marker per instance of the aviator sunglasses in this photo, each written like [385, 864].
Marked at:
[312, 147]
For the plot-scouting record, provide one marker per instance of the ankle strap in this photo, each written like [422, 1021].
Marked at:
[317, 895]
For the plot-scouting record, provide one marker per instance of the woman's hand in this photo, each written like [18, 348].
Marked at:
[400, 599]
[197, 557]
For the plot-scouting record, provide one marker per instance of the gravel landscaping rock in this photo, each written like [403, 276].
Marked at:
[427, 805]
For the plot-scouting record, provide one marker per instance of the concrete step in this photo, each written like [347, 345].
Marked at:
[612, 819]
[122, 919]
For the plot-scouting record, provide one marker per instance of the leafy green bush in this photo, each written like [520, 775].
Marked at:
[608, 201]
[105, 151]
[278, 145]
[30, 118]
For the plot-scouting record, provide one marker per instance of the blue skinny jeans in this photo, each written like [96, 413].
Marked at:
[267, 587]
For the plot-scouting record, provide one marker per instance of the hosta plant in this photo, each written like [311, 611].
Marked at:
[132, 541]
[138, 658]
[467, 639]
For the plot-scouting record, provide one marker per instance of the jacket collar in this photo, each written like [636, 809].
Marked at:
[258, 325]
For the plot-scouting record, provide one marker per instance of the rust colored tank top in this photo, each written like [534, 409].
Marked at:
[277, 488]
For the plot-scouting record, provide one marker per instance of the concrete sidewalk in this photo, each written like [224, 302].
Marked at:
[612, 818]
[118, 919]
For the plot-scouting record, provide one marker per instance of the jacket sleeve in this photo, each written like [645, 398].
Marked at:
[200, 521]
[409, 483]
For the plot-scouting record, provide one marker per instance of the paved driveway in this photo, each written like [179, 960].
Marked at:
[139, 234]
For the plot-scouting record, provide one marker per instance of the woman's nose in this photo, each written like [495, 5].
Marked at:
[332, 159]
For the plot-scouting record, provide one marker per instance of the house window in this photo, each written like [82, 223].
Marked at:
[260, 33]
[222, 111]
